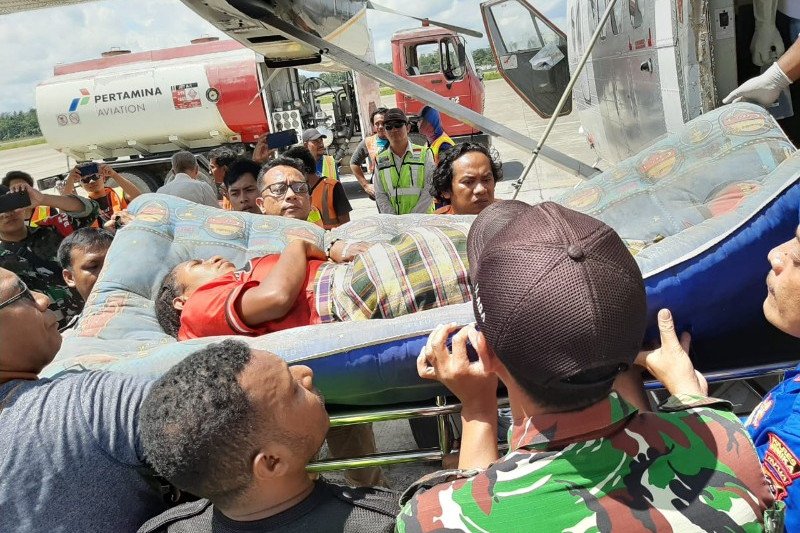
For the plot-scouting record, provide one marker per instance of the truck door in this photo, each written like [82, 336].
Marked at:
[531, 53]
[440, 64]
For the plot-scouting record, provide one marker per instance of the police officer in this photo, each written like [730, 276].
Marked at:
[404, 170]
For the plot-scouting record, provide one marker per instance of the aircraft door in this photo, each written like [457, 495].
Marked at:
[531, 53]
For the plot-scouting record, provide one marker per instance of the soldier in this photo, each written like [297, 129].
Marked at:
[559, 334]
[31, 253]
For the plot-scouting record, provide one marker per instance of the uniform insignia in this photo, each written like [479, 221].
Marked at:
[781, 465]
[758, 414]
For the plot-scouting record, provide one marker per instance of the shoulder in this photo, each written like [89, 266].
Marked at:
[380, 502]
[188, 517]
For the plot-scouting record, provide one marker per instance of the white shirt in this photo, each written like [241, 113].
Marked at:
[188, 188]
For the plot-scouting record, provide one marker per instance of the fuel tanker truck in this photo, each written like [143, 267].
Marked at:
[134, 110]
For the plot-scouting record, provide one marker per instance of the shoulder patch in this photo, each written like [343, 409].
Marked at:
[781, 465]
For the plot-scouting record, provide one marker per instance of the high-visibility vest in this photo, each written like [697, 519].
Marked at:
[314, 216]
[117, 202]
[435, 145]
[371, 143]
[322, 199]
[328, 167]
[39, 214]
[405, 187]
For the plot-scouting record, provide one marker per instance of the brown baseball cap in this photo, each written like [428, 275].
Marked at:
[395, 114]
[557, 295]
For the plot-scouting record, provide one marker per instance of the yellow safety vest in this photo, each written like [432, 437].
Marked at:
[405, 187]
[40, 214]
[329, 167]
[314, 217]
[435, 145]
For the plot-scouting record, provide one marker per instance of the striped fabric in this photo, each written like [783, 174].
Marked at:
[422, 268]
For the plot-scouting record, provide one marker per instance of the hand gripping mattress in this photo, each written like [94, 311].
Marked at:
[698, 209]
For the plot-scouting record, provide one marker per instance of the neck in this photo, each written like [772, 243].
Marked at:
[270, 501]
[97, 194]
[399, 148]
[10, 375]
[522, 406]
[15, 235]
[312, 180]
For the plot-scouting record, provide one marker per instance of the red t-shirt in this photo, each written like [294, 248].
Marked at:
[211, 310]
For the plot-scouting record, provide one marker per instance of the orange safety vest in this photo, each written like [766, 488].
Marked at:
[322, 199]
[371, 143]
[39, 214]
[117, 204]
[435, 145]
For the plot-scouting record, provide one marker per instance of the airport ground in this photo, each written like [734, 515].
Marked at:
[544, 182]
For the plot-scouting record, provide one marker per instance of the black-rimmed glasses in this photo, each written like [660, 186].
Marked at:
[25, 293]
[389, 126]
[280, 189]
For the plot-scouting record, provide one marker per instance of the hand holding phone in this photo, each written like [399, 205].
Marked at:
[88, 169]
[14, 200]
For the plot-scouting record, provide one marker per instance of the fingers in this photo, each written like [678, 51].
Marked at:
[666, 328]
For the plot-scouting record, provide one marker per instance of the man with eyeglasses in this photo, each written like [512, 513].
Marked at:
[404, 170]
[71, 457]
[284, 191]
[107, 199]
[32, 253]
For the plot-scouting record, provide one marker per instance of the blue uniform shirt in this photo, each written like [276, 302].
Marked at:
[774, 426]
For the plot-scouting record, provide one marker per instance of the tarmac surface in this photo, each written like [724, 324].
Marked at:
[544, 182]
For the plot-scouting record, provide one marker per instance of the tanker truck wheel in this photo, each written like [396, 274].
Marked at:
[141, 180]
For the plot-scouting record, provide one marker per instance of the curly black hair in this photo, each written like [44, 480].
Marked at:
[239, 168]
[168, 317]
[197, 424]
[222, 156]
[281, 161]
[442, 179]
[379, 111]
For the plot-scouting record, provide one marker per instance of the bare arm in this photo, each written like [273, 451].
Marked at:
[69, 183]
[127, 187]
[68, 204]
[276, 293]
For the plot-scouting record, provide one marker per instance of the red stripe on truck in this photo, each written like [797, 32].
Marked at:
[237, 83]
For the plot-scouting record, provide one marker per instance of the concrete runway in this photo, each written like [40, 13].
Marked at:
[544, 182]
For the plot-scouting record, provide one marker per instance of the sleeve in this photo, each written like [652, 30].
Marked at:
[382, 197]
[110, 404]
[340, 202]
[682, 402]
[212, 311]
[85, 218]
[425, 198]
[360, 154]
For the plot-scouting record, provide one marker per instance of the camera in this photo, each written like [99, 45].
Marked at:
[13, 200]
[88, 169]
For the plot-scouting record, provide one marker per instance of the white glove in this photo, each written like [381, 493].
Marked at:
[763, 89]
[764, 40]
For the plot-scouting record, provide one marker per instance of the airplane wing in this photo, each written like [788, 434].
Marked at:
[14, 6]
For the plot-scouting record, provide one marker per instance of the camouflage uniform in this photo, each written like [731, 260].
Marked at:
[34, 259]
[606, 468]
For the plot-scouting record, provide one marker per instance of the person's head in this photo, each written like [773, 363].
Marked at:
[184, 162]
[283, 189]
[430, 123]
[241, 185]
[218, 161]
[314, 141]
[465, 177]
[15, 177]
[377, 119]
[13, 222]
[782, 305]
[81, 256]
[94, 184]
[229, 424]
[181, 283]
[395, 123]
[29, 337]
[563, 327]
[304, 155]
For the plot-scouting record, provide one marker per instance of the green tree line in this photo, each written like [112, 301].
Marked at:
[19, 125]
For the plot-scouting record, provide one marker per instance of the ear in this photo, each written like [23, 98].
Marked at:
[447, 195]
[268, 466]
[68, 278]
[260, 204]
[179, 302]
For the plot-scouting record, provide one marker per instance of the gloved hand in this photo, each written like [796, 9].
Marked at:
[763, 89]
[766, 46]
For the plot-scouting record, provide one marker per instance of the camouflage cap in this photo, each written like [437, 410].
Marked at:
[557, 295]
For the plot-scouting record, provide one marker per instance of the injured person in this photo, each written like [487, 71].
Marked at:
[423, 268]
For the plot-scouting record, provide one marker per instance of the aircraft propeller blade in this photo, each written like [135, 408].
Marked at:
[457, 29]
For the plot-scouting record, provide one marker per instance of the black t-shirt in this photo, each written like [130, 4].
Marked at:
[330, 508]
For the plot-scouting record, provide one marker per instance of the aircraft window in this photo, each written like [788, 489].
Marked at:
[424, 59]
[635, 12]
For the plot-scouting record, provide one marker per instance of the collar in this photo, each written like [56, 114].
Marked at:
[556, 430]
[182, 176]
[408, 149]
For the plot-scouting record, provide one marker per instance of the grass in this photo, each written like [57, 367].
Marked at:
[491, 75]
[10, 145]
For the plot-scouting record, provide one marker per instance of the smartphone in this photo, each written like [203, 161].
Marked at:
[14, 200]
[472, 355]
[88, 169]
[281, 139]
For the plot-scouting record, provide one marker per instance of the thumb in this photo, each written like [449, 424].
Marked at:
[732, 97]
[666, 328]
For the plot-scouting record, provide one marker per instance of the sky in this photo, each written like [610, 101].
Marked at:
[33, 42]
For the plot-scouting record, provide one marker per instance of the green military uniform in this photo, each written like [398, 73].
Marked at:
[607, 468]
[34, 259]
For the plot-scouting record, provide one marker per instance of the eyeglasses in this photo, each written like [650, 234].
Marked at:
[279, 189]
[25, 293]
[389, 126]
[90, 179]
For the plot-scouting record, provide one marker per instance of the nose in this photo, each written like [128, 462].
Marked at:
[304, 375]
[776, 259]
